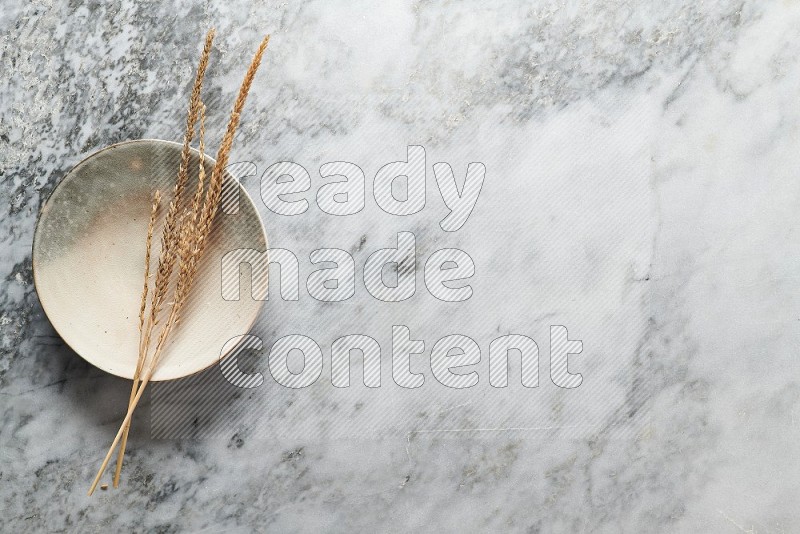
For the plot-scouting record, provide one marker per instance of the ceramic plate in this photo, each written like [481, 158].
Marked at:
[88, 260]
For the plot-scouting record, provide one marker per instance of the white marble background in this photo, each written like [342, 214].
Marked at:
[640, 190]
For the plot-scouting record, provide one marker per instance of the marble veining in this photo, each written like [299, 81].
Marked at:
[640, 189]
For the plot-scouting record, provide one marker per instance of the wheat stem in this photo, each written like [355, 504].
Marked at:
[117, 438]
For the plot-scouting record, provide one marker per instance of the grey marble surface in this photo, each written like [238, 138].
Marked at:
[640, 189]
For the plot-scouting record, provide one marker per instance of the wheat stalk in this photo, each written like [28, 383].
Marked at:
[186, 234]
[169, 235]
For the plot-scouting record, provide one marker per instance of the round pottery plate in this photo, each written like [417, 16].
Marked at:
[88, 260]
